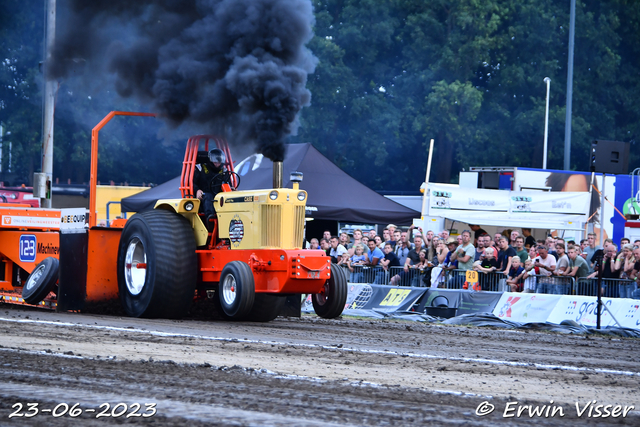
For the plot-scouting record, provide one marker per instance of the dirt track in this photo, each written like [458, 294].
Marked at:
[305, 371]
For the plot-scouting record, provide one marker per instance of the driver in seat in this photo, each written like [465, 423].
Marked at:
[208, 179]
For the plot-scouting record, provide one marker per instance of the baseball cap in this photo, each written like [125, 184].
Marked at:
[452, 240]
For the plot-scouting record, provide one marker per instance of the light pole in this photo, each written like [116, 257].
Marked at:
[567, 124]
[547, 80]
[49, 101]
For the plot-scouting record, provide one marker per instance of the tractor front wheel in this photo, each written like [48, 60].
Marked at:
[157, 265]
[236, 290]
[330, 303]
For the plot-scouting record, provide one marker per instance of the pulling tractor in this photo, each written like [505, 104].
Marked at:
[248, 258]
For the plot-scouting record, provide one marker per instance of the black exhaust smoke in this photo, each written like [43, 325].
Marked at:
[238, 67]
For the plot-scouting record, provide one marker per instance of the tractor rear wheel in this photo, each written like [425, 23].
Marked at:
[236, 290]
[157, 265]
[41, 281]
[266, 307]
[330, 303]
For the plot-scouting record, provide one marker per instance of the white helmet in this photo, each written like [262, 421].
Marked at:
[217, 156]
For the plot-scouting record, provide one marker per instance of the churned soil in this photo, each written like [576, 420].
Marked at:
[305, 371]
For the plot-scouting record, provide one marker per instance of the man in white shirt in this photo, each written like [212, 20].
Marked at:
[336, 249]
[544, 265]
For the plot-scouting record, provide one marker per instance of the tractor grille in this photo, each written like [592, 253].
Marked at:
[271, 220]
[298, 224]
[273, 235]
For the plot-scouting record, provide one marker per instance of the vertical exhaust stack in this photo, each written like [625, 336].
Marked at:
[277, 174]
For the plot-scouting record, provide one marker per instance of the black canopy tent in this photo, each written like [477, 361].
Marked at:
[333, 194]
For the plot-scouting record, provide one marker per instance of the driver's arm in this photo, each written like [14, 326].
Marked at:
[197, 176]
[229, 181]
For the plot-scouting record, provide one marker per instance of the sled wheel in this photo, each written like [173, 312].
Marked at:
[330, 303]
[157, 265]
[41, 281]
[236, 290]
[266, 307]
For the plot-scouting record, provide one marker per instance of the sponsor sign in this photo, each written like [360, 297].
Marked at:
[477, 302]
[30, 221]
[27, 249]
[567, 203]
[73, 219]
[582, 309]
[395, 299]
[48, 249]
[358, 295]
[466, 199]
[236, 231]
[515, 208]
[525, 308]
[363, 296]
[628, 313]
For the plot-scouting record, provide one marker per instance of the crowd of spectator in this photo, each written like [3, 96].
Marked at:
[521, 263]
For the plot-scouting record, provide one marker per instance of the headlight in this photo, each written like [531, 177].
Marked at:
[273, 195]
[301, 195]
[188, 206]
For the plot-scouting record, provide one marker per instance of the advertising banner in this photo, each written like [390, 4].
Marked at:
[437, 297]
[73, 219]
[447, 198]
[525, 308]
[361, 296]
[568, 210]
[25, 221]
[549, 203]
[358, 295]
[628, 313]
[389, 299]
[478, 302]
[582, 309]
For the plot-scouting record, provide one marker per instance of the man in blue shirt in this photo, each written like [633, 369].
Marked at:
[374, 253]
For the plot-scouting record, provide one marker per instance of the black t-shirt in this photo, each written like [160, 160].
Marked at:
[414, 256]
[529, 241]
[503, 257]
[489, 263]
[393, 259]
[606, 270]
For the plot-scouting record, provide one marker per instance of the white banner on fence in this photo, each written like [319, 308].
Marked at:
[564, 210]
[628, 313]
[582, 309]
[565, 203]
[466, 199]
[525, 308]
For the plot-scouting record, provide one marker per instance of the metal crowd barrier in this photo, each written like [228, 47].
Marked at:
[379, 276]
[497, 281]
[556, 285]
[455, 279]
[612, 288]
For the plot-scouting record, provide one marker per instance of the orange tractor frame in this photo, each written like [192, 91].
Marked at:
[248, 259]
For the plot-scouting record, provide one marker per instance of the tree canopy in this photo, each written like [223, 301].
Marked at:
[391, 75]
